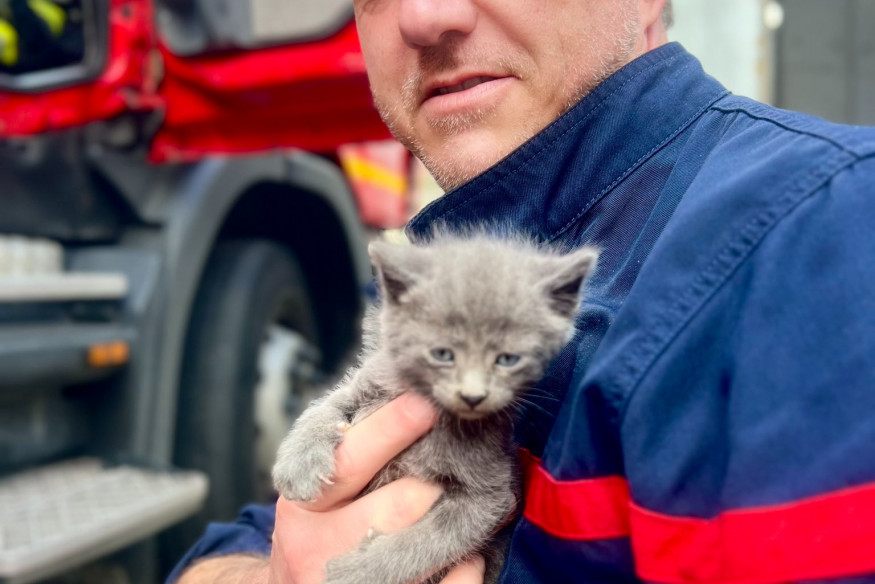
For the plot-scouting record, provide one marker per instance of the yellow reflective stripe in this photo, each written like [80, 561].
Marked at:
[360, 169]
[51, 13]
[8, 44]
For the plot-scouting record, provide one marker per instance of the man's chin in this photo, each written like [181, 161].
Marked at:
[462, 158]
[450, 176]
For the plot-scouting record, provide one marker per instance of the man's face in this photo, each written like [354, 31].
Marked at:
[463, 83]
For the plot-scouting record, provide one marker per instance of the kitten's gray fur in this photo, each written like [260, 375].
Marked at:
[480, 297]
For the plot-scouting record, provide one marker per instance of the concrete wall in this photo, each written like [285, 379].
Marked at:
[826, 59]
[729, 38]
[820, 60]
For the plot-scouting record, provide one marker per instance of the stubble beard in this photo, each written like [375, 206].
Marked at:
[399, 115]
[609, 62]
[443, 166]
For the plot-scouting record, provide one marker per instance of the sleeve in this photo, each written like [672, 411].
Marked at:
[250, 533]
[753, 435]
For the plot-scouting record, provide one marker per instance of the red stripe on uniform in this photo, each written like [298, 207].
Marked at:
[828, 536]
[582, 510]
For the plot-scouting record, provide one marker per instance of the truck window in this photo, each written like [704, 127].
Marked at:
[40, 34]
[50, 43]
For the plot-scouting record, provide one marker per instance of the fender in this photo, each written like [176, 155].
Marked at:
[192, 202]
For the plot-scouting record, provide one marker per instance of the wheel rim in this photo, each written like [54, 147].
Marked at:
[288, 373]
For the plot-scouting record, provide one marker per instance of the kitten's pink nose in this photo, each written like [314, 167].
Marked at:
[473, 399]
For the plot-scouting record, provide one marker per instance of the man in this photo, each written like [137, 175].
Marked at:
[712, 421]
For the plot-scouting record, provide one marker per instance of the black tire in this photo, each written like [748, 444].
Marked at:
[247, 285]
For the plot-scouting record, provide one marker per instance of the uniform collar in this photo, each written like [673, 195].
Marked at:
[550, 182]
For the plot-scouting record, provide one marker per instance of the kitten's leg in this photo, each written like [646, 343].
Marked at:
[495, 553]
[455, 527]
[305, 460]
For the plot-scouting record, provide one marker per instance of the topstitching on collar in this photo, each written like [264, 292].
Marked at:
[615, 121]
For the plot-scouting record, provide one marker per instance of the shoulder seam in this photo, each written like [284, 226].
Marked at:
[747, 112]
[683, 307]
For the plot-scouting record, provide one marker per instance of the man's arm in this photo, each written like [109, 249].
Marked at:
[750, 441]
[235, 569]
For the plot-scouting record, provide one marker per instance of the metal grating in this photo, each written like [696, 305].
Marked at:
[60, 516]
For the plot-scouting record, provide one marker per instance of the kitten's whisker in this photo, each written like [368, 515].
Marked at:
[543, 397]
[534, 405]
[535, 391]
[515, 413]
[518, 407]
[542, 410]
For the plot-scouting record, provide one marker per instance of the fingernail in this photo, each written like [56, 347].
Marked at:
[418, 408]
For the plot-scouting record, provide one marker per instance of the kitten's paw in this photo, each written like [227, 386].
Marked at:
[300, 488]
[305, 466]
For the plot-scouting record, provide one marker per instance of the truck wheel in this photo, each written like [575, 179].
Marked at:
[250, 367]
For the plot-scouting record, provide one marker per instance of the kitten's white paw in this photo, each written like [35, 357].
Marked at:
[303, 469]
[298, 488]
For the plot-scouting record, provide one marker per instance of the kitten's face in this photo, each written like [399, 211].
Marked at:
[473, 324]
[474, 369]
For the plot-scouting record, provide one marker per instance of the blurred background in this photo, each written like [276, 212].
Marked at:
[186, 192]
[814, 56]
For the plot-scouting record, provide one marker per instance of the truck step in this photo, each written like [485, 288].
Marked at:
[67, 514]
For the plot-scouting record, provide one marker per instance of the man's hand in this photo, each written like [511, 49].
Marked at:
[307, 535]
[470, 572]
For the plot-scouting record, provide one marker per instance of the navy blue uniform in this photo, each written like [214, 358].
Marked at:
[714, 419]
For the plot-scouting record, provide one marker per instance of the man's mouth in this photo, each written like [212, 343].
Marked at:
[463, 86]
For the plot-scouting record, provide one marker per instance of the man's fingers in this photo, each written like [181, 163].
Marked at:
[393, 507]
[321, 535]
[469, 572]
[372, 443]
[303, 541]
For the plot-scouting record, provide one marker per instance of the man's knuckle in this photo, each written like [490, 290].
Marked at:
[400, 511]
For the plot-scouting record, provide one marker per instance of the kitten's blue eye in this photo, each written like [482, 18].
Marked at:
[443, 355]
[507, 360]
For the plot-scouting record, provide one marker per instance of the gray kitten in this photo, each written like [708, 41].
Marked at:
[471, 323]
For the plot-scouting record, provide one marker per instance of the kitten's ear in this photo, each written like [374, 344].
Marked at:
[564, 284]
[398, 268]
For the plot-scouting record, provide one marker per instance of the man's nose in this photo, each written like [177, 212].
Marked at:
[424, 23]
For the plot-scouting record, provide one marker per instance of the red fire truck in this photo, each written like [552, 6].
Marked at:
[181, 261]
